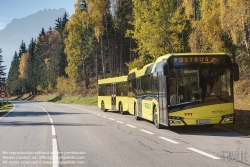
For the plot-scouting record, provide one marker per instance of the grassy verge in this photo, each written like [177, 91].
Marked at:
[67, 99]
[5, 107]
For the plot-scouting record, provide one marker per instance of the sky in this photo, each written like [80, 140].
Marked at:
[11, 9]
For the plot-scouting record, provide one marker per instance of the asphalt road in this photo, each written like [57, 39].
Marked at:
[48, 134]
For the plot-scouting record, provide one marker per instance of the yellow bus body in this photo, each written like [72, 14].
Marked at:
[216, 114]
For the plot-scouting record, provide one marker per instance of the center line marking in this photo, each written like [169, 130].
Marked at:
[131, 125]
[104, 116]
[50, 120]
[172, 141]
[55, 153]
[112, 119]
[203, 153]
[120, 122]
[53, 130]
[146, 131]
[54, 141]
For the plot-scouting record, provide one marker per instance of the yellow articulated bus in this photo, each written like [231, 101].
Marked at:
[113, 94]
[184, 89]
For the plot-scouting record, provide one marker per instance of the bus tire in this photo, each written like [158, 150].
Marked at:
[103, 107]
[135, 113]
[121, 109]
[155, 119]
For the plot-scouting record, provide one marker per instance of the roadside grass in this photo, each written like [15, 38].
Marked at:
[12, 98]
[5, 107]
[45, 98]
[67, 99]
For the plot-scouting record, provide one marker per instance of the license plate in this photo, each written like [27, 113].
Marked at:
[203, 121]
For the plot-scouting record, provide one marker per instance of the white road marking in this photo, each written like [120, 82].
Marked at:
[131, 125]
[8, 112]
[50, 119]
[146, 131]
[104, 116]
[53, 130]
[120, 122]
[203, 153]
[55, 153]
[112, 119]
[54, 141]
[98, 114]
[172, 141]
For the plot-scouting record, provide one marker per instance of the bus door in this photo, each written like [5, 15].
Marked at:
[113, 96]
[163, 99]
[139, 96]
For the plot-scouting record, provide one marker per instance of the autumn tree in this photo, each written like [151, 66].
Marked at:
[24, 68]
[79, 44]
[159, 27]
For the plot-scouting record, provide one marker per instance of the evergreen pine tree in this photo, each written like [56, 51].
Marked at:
[2, 68]
[22, 49]
[13, 81]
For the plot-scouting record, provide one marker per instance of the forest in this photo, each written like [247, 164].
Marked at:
[107, 38]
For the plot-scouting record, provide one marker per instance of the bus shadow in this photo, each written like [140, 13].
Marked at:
[217, 130]
[117, 112]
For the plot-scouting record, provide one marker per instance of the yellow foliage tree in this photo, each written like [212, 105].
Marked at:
[160, 27]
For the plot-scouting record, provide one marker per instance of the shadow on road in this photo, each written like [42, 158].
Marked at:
[38, 113]
[217, 130]
[29, 123]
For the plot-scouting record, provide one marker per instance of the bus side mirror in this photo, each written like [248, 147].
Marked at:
[236, 72]
[165, 68]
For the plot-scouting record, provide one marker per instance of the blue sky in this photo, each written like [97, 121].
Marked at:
[11, 9]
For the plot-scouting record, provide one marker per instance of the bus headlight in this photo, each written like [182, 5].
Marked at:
[228, 119]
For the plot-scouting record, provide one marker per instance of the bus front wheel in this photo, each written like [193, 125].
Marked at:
[155, 119]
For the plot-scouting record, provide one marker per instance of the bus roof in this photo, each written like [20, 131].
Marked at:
[113, 80]
[133, 70]
[143, 70]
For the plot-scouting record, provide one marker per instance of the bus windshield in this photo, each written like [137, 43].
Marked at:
[190, 87]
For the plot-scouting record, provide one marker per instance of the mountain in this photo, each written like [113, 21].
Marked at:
[24, 29]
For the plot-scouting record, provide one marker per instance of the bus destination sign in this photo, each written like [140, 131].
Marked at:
[200, 60]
